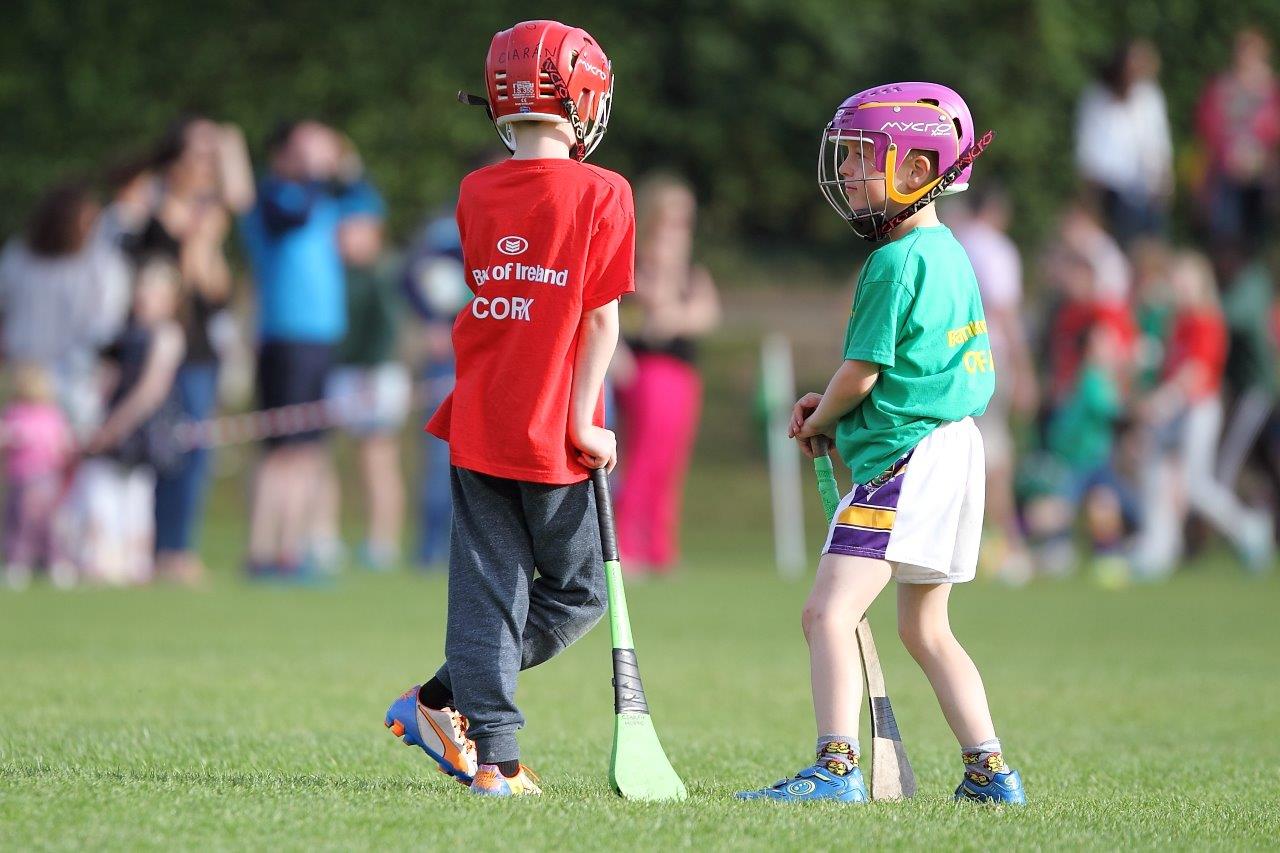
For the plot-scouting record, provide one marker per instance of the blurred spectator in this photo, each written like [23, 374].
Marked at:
[292, 239]
[1090, 277]
[131, 182]
[1152, 308]
[436, 288]
[1123, 146]
[64, 292]
[662, 402]
[998, 266]
[112, 505]
[1184, 420]
[1080, 444]
[37, 446]
[1249, 300]
[370, 389]
[1238, 120]
[201, 170]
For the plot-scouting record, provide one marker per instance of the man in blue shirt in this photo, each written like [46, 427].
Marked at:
[291, 234]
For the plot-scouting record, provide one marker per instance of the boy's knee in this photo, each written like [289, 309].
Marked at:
[818, 615]
[593, 612]
[920, 640]
[585, 617]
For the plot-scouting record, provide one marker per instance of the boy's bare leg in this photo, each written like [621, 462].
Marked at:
[925, 629]
[842, 591]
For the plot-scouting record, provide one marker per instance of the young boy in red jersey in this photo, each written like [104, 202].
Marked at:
[548, 244]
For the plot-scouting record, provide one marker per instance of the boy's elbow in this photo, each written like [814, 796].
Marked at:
[602, 319]
[860, 376]
[862, 371]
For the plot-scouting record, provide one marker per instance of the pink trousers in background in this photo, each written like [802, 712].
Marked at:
[660, 411]
[28, 521]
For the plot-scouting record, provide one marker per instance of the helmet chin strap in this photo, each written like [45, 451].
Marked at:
[579, 149]
[467, 99]
[946, 179]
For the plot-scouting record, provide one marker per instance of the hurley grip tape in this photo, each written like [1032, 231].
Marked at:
[604, 510]
[828, 488]
[628, 692]
[883, 723]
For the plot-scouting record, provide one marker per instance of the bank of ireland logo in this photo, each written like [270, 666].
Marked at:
[512, 245]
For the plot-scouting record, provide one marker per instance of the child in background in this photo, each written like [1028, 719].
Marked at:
[1184, 420]
[1081, 440]
[917, 368]
[368, 392]
[38, 446]
[1152, 309]
[115, 485]
[1082, 240]
[525, 420]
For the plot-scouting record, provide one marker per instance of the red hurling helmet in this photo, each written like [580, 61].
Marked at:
[547, 71]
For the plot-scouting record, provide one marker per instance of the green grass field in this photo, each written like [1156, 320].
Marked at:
[245, 717]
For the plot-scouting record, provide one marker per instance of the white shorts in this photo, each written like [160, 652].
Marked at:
[368, 401]
[924, 514]
[106, 524]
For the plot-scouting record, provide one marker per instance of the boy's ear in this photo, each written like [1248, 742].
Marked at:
[921, 170]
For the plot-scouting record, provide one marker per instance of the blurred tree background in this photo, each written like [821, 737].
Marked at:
[731, 93]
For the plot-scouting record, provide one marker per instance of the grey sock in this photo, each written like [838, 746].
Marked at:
[837, 754]
[984, 760]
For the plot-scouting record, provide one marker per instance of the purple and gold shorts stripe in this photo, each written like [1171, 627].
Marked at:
[865, 521]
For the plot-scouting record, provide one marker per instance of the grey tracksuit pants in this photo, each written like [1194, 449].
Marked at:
[526, 579]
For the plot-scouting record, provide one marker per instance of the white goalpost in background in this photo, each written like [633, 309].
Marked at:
[779, 387]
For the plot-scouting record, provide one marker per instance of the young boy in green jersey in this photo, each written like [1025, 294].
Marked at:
[917, 367]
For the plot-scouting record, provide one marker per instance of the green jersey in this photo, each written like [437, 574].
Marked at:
[918, 315]
[373, 315]
[1247, 304]
[1083, 430]
[1155, 322]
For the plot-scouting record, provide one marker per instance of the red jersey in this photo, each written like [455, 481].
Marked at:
[1199, 337]
[1070, 328]
[543, 242]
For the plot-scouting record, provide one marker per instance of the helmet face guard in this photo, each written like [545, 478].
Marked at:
[594, 133]
[850, 195]
[588, 134]
[893, 122]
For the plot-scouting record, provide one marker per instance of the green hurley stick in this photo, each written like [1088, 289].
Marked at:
[638, 768]
[891, 775]
[827, 486]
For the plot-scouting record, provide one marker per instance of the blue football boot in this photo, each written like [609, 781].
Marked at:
[817, 782]
[1002, 788]
[441, 734]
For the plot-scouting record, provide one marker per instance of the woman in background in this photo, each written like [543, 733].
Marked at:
[661, 399]
[1123, 146]
[200, 172]
[1238, 121]
[64, 293]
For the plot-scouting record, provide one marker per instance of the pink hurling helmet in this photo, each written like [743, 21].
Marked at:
[896, 120]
